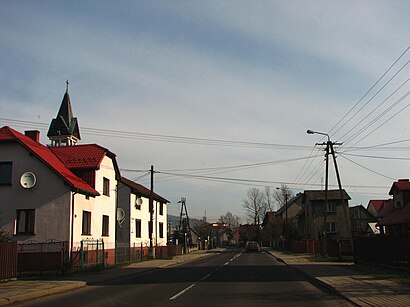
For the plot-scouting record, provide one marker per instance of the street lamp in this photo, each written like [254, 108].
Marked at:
[321, 133]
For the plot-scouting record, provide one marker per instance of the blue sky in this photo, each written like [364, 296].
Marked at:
[249, 71]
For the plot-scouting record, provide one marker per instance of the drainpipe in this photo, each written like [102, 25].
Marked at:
[72, 228]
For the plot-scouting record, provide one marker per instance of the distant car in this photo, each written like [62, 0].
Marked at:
[252, 246]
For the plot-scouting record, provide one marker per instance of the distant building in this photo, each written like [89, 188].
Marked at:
[360, 220]
[314, 213]
[375, 206]
[395, 218]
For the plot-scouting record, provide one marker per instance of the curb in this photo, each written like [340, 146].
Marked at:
[5, 301]
[315, 281]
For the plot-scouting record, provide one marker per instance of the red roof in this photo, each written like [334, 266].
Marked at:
[379, 204]
[45, 155]
[140, 189]
[80, 156]
[401, 184]
[395, 216]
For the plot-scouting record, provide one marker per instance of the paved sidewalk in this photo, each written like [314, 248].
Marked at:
[25, 289]
[343, 279]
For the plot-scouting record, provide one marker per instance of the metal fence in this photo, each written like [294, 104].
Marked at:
[8, 260]
[125, 253]
[36, 256]
[137, 252]
[92, 253]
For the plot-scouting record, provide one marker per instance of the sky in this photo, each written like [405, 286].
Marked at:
[218, 95]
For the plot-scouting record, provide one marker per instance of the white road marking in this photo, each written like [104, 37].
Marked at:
[203, 278]
[182, 292]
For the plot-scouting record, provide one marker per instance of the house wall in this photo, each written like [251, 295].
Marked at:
[98, 206]
[314, 222]
[143, 214]
[124, 202]
[161, 219]
[50, 197]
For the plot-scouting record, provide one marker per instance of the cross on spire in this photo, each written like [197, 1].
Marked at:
[66, 90]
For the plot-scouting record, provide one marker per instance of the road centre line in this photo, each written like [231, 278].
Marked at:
[202, 279]
[182, 292]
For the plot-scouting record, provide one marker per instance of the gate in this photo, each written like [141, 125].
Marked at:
[92, 253]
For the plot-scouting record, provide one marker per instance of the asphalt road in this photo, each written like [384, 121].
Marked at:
[231, 278]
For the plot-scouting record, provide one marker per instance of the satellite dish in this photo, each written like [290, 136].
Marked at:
[138, 201]
[28, 180]
[120, 214]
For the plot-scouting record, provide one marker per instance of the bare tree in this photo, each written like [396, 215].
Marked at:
[231, 220]
[282, 195]
[268, 199]
[253, 205]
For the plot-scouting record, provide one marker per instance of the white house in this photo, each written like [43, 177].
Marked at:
[70, 192]
[133, 228]
[65, 192]
[94, 218]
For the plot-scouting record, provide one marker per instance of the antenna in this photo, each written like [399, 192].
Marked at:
[120, 216]
[28, 180]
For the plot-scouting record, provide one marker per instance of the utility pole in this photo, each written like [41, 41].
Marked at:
[345, 208]
[184, 227]
[151, 214]
[329, 149]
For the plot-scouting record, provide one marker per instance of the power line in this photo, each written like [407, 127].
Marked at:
[378, 92]
[387, 120]
[366, 168]
[368, 91]
[377, 118]
[167, 138]
[378, 157]
[306, 167]
[266, 182]
[251, 165]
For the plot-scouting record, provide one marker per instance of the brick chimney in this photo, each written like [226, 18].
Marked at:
[33, 134]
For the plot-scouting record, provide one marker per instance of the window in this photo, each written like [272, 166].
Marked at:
[161, 230]
[25, 221]
[331, 207]
[150, 228]
[105, 225]
[86, 223]
[5, 172]
[138, 228]
[106, 186]
[331, 227]
[161, 209]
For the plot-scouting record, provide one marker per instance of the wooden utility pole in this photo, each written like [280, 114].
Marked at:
[151, 214]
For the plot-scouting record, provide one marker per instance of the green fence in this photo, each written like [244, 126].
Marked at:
[92, 253]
